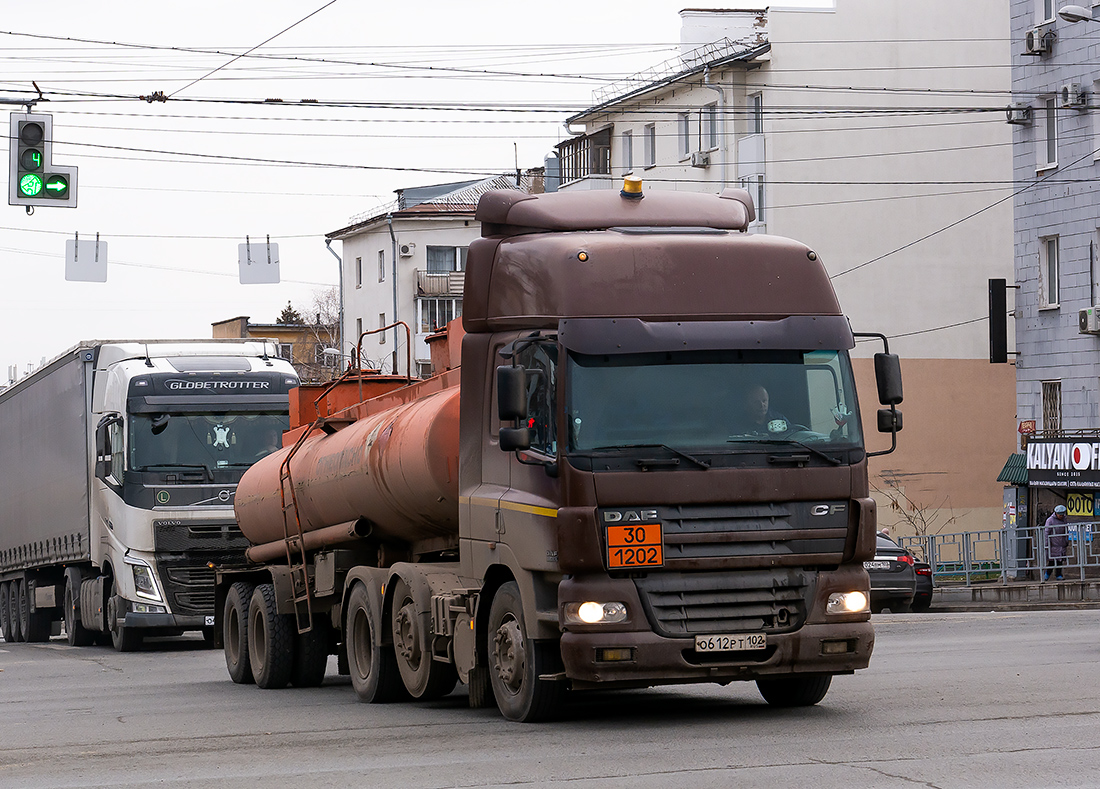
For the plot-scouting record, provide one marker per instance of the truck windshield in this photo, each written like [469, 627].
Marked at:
[211, 441]
[717, 401]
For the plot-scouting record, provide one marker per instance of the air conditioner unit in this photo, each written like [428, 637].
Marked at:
[1088, 320]
[407, 250]
[1072, 95]
[700, 159]
[1039, 40]
[1019, 114]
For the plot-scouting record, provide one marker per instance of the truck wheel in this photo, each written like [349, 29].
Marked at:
[270, 640]
[372, 665]
[20, 609]
[235, 632]
[5, 624]
[516, 662]
[311, 654]
[794, 691]
[423, 677]
[123, 639]
[75, 633]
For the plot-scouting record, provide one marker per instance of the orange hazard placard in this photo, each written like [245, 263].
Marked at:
[635, 545]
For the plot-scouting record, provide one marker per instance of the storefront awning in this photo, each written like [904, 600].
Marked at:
[1015, 470]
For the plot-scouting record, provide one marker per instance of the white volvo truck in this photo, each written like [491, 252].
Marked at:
[119, 463]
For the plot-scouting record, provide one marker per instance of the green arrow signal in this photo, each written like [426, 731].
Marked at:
[58, 185]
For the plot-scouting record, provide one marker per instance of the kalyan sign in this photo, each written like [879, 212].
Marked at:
[1064, 463]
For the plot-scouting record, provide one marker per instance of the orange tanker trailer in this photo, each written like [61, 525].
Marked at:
[587, 500]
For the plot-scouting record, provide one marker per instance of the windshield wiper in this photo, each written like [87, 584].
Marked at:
[787, 441]
[162, 466]
[704, 464]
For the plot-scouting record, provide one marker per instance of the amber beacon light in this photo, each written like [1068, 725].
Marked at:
[632, 188]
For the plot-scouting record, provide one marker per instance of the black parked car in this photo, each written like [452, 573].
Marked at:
[923, 597]
[893, 579]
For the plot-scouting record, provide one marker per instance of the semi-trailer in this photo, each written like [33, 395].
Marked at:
[119, 462]
[644, 466]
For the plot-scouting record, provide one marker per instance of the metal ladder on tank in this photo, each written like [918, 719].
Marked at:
[294, 540]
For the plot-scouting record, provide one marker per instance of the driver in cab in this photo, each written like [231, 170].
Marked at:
[757, 416]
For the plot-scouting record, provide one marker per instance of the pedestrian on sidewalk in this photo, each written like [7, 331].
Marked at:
[1057, 538]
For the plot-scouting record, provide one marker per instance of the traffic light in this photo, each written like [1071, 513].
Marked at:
[33, 179]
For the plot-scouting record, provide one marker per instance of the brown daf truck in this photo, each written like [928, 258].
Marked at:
[645, 466]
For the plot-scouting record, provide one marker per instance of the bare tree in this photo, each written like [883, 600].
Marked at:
[321, 318]
[917, 516]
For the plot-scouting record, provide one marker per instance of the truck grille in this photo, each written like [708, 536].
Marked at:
[190, 589]
[686, 604]
[188, 535]
[709, 537]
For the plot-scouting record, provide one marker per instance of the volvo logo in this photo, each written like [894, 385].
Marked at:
[223, 495]
[826, 509]
[629, 516]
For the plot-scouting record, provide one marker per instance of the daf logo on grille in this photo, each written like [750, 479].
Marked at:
[826, 509]
[629, 516]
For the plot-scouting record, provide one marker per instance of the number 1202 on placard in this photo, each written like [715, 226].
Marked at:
[636, 545]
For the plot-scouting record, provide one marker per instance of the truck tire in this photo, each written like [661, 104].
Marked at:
[794, 691]
[235, 632]
[372, 665]
[481, 689]
[123, 639]
[270, 640]
[311, 654]
[75, 633]
[20, 610]
[424, 677]
[4, 606]
[517, 662]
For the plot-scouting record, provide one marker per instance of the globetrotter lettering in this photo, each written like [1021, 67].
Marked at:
[184, 386]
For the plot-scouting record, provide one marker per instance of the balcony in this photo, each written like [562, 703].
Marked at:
[439, 283]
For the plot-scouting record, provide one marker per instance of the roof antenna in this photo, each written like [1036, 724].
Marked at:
[148, 361]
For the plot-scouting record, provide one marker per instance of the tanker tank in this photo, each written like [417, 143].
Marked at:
[392, 474]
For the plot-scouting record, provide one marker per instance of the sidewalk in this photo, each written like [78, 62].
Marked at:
[1017, 595]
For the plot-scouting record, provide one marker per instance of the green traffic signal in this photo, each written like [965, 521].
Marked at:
[30, 185]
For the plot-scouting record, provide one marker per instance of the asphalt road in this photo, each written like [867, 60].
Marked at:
[951, 700]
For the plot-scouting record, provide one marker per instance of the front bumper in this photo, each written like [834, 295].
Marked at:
[172, 622]
[661, 661]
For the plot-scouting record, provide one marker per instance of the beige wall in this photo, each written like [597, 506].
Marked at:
[958, 431]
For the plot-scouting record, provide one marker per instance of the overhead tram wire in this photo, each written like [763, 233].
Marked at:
[238, 57]
[956, 223]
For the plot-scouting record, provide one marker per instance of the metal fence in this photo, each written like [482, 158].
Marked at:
[1006, 555]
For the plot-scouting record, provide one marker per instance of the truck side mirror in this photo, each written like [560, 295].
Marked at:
[511, 392]
[888, 378]
[102, 451]
[513, 439]
[889, 420]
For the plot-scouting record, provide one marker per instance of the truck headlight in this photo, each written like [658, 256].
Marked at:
[144, 583]
[847, 603]
[590, 613]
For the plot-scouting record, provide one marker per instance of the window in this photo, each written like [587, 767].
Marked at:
[649, 145]
[358, 329]
[683, 124]
[710, 126]
[1045, 10]
[381, 323]
[381, 265]
[286, 351]
[1048, 135]
[1048, 272]
[1052, 406]
[754, 184]
[359, 272]
[441, 259]
[756, 119]
[628, 151]
[437, 313]
[325, 359]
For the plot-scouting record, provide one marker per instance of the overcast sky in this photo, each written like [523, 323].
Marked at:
[173, 187]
